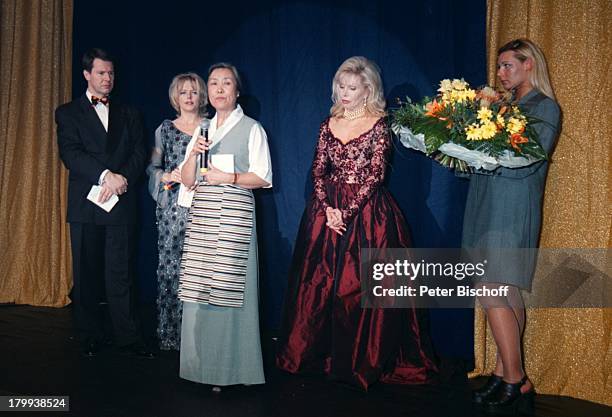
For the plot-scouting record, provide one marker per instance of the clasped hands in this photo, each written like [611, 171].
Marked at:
[112, 184]
[334, 220]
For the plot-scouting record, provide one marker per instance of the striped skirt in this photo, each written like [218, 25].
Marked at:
[216, 248]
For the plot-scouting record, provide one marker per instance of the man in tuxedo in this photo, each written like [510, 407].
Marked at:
[101, 142]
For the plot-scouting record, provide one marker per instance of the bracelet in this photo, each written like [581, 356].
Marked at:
[235, 178]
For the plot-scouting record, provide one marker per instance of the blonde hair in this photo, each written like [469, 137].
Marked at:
[538, 76]
[197, 82]
[369, 73]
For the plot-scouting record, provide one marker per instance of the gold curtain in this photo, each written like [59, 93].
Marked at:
[35, 77]
[567, 351]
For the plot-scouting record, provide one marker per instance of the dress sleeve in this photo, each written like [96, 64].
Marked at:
[155, 169]
[320, 168]
[381, 142]
[546, 126]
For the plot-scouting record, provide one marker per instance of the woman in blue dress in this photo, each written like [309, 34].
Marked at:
[188, 97]
[504, 211]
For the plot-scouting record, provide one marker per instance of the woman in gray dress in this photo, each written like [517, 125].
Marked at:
[220, 342]
[187, 94]
[504, 211]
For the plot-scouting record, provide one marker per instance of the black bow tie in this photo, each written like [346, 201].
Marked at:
[95, 100]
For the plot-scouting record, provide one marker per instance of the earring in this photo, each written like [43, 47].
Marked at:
[365, 101]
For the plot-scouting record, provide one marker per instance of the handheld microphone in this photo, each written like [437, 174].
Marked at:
[204, 158]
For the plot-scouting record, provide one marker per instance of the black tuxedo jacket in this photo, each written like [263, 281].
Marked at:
[87, 150]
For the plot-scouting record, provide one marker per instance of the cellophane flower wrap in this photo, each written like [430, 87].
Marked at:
[465, 129]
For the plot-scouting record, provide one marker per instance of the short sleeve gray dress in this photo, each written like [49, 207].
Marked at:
[220, 341]
[504, 207]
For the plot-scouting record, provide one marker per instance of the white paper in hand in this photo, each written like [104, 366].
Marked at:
[93, 197]
[223, 162]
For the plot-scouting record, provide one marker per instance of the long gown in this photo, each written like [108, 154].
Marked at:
[169, 151]
[325, 329]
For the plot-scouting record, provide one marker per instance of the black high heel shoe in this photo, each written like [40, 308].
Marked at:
[488, 389]
[509, 400]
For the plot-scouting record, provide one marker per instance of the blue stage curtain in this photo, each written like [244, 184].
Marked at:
[288, 52]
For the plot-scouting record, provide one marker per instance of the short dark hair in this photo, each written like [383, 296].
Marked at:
[93, 53]
[233, 70]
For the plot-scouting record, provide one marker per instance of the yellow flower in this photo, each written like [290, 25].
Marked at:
[515, 125]
[484, 114]
[446, 97]
[460, 96]
[470, 94]
[500, 121]
[445, 85]
[472, 132]
[488, 130]
[459, 84]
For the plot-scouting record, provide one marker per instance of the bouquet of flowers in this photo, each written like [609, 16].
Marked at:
[463, 128]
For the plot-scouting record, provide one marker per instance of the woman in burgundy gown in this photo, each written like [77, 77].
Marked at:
[325, 329]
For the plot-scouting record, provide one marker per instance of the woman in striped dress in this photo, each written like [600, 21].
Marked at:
[220, 342]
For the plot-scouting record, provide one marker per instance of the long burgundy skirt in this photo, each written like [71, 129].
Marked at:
[325, 329]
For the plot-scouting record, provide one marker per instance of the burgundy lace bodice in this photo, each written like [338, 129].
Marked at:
[361, 161]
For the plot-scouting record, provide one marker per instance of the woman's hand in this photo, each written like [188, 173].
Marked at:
[334, 220]
[166, 177]
[200, 146]
[215, 176]
[174, 176]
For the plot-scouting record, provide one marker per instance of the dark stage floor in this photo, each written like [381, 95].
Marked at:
[38, 356]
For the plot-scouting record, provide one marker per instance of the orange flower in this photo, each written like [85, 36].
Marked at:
[516, 139]
[502, 110]
[487, 96]
[433, 108]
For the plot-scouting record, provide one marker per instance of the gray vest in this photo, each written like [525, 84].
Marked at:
[236, 142]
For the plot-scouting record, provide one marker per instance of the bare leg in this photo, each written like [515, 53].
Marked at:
[506, 317]
[515, 299]
[507, 338]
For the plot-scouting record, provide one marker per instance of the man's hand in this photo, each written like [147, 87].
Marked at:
[105, 193]
[116, 183]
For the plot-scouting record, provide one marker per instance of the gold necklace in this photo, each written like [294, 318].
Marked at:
[354, 114]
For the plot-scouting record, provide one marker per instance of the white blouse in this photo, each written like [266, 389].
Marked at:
[259, 153]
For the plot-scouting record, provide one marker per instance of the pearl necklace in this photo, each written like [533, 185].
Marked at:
[354, 114]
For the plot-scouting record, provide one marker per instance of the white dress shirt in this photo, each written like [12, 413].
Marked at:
[102, 112]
